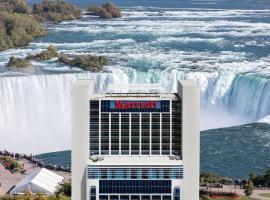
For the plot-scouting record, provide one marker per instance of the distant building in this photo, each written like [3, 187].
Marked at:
[135, 145]
[40, 181]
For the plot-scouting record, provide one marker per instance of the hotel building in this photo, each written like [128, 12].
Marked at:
[135, 145]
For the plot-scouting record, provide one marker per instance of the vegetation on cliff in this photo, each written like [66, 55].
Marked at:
[87, 62]
[18, 62]
[55, 11]
[260, 180]
[14, 6]
[49, 53]
[106, 11]
[19, 25]
[18, 30]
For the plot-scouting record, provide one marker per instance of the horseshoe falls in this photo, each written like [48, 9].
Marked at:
[225, 50]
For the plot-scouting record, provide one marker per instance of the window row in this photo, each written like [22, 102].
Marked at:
[125, 137]
[134, 186]
[135, 197]
[135, 173]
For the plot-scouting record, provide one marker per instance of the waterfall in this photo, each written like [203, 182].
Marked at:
[35, 110]
[249, 95]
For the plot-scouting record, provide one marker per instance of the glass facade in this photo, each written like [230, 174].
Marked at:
[93, 193]
[165, 149]
[125, 134]
[115, 135]
[155, 134]
[134, 186]
[152, 173]
[176, 193]
[136, 132]
[145, 134]
[135, 197]
[176, 128]
[105, 133]
[94, 127]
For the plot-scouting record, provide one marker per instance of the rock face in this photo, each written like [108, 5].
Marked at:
[55, 11]
[106, 11]
[18, 30]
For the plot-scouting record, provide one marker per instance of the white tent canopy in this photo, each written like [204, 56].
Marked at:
[41, 181]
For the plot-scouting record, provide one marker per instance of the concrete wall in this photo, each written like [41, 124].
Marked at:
[190, 95]
[81, 93]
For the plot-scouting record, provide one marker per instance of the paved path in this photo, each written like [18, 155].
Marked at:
[231, 188]
[8, 180]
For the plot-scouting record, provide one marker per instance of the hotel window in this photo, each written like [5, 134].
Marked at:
[176, 193]
[166, 197]
[103, 197]
[115, 134]
[135, 135]
[124, 134]
[146, 197]
[114, 197]
[145, 131]
[165, 134]
[94, 127]
[156, 197]
[135, 197]
[155, 134]
[135, 173]
[124, 197]
[104, 133]
[93, 193]
[176, 128]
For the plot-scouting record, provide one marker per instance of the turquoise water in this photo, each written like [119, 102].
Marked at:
[233, 152]
[236, 151]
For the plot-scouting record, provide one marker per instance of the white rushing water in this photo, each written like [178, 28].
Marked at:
[35, 110]
[225, 51]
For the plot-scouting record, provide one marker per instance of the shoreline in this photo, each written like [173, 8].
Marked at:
[34, 161]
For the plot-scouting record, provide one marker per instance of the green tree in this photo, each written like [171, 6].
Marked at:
[66, 189]
[55, 11]
[40, 196]
[252, 176]
[18, 30]
[249, 188]
[28, 196]
[266, 178]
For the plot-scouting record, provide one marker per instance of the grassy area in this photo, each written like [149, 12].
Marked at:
[265, 195]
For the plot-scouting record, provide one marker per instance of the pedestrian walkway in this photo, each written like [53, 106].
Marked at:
[231, 188]
[9, 180]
